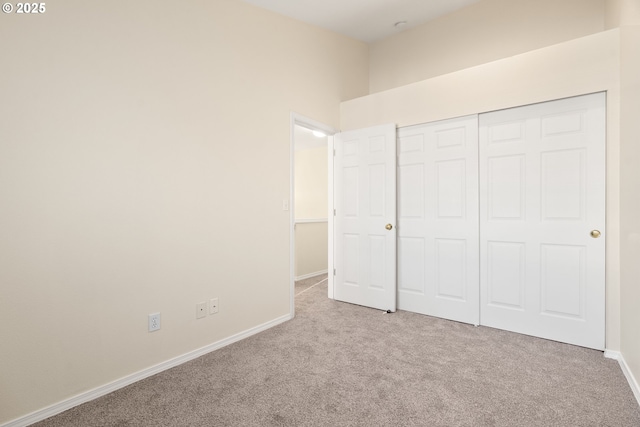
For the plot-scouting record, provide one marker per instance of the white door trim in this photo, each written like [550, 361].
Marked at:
[330, 216]
[300, 120]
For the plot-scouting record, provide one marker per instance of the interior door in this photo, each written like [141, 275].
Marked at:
[438, 270]
[542, 216]
[365, 217]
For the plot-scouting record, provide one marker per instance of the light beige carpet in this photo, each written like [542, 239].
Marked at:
[338, 364]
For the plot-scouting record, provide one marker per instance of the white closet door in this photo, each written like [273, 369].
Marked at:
[542, 216]
[365, 217]
[438, 219]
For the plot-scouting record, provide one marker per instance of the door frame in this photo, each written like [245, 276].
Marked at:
[309, 123]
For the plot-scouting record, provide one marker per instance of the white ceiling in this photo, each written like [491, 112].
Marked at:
[366, 20]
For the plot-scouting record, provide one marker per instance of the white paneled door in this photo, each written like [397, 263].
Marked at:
[365, 217]
[542, 219]
[438, 219]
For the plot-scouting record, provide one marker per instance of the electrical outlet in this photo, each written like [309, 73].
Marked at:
[213, 306]
[201, 310]
[154, 322]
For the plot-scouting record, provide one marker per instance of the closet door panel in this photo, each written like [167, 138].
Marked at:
[542, 205]
[438, 219]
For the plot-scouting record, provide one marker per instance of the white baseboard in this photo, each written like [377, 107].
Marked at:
[314, 274]
[610, 354]
[633, 383]
[87, 396]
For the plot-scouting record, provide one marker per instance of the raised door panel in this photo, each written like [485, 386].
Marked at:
[505, 268]
[563, 202]
[411, 191]
[506, 189]
[411, 265]
[563, 280]
[451, 269]
[450, 184]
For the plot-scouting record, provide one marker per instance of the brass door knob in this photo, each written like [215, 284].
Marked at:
[388, 226]
[595, 234]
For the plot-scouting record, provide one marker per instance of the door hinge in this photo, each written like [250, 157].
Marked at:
[334, 271]
[334, 212]
[334, 152]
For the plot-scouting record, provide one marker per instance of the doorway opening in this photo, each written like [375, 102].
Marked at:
[311, 205]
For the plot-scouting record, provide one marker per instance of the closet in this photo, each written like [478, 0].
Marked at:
[500, 219]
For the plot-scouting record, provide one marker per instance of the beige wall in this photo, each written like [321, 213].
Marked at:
[584, 65]
[630, 185]
[144, 157]
[311, 183]
[311, 195]
[311, 248]
[620, 13]
[484, 31]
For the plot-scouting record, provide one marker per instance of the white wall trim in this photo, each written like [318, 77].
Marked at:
[633, 382]
[311, 220]
[310, 275]
[87, 396]
[611, 354]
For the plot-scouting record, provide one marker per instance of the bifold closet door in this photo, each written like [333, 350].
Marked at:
[542, 219]
[438, 219]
